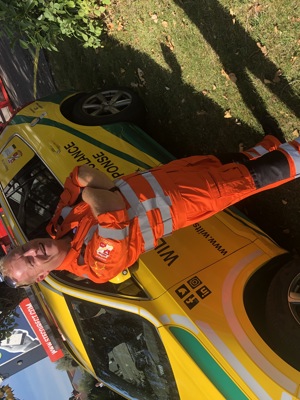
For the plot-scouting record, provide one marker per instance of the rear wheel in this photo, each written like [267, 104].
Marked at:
[108, 106]
[283, 313]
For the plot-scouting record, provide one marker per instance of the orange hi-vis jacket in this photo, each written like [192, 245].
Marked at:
[158, 202]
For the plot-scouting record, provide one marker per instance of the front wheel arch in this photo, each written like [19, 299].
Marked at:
[283, 313]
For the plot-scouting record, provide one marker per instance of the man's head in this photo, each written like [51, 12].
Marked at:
[33, 261]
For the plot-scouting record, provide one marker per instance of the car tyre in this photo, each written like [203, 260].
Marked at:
[283, 313]
[109, 106]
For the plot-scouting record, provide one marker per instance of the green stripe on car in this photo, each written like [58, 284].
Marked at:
[163, 157]
[47, 122]
[208, 365]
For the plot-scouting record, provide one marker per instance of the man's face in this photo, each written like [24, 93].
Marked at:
[33, 261]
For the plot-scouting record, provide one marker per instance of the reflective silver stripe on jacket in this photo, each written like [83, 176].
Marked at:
[139, 208]
[90, 233]
[294, 153]
[107, 233]
[66, 211]
[113, 233]
[260, 150]
[161, 201]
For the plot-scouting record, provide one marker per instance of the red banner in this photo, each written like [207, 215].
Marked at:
[36, 325]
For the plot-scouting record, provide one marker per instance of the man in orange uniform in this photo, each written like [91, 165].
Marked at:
[100, 227]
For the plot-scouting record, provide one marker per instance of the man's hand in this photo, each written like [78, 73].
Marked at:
[92, 177]
[96, 191]
[102, 200]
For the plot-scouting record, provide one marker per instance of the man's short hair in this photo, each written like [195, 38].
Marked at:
[5, 272]
[3, 269]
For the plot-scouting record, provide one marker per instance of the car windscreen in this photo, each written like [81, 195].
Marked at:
[125, 350]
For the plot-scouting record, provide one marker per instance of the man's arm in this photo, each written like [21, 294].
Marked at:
[94, 178]
[102, 200]
[96, 191]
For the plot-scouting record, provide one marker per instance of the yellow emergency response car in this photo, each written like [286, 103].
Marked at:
[210, 313]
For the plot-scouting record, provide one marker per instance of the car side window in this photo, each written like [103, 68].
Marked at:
[33, 195]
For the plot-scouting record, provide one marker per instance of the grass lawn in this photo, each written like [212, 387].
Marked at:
[210, 73]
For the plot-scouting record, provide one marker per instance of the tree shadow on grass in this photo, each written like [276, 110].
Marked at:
[239, 54]
[277, 212]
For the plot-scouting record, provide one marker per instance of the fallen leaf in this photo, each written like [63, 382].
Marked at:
[164, 24]
[154, 17]
[232, 77]
[202, 112]
[277, 76]
[262, 48]
[284, 202]
[231, 12]
[295, 133]
[267, 81]
[255, 9]
[293, 59]
[169, 43]
[214, 87]
[258, 8]
[141, 77]
[224, 73]
[227, 114]
[205, 92]
[120, 26]
[110, 26]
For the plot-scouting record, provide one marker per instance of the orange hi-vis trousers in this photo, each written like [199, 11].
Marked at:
[210, 184]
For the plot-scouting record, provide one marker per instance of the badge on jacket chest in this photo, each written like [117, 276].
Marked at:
[104, 250]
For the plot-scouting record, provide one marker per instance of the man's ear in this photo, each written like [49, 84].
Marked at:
[42, 276]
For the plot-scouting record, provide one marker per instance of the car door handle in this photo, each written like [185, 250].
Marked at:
[54, 147]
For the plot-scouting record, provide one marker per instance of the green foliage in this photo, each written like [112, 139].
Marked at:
[66, 363]
[8, 325]
[86, 383]
[7, 393]
[9, 300]
[42, 23]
